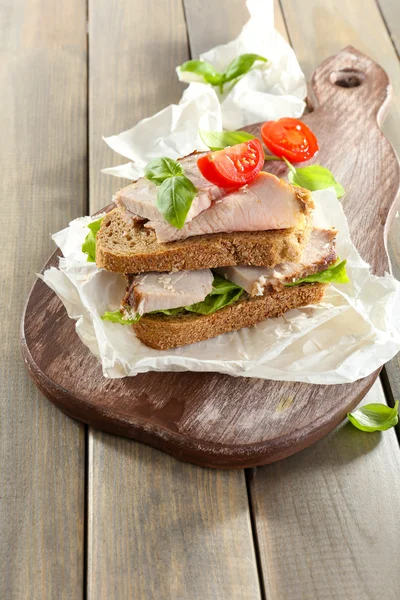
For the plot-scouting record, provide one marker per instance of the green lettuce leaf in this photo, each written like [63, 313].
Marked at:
[118, 317]
[334, 274]
[223, 294]
[89, 245]
[170, 312]
[375, 417]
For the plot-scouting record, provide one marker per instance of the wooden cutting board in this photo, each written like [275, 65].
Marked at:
[217, 420]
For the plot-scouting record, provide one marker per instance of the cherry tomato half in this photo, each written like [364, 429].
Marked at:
[234, 166]
[289, 138]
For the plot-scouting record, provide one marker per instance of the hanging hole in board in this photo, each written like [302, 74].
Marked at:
[347, 78]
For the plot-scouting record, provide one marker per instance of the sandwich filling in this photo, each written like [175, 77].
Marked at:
[205, 291]
[267, 203]
[318, 255]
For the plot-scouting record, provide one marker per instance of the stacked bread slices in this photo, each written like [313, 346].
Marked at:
[241, 257]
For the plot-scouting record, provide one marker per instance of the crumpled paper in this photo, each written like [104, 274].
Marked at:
[269, 91]
[353, 332]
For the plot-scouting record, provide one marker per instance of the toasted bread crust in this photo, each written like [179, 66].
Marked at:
[125, 247]
[163, 332]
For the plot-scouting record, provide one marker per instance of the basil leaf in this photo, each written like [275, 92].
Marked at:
[334, 274]
[375, 417]
[89, 244]
[314, 177]
[223, 294]
[118, 317]
[174, 199]
[204, 69]
[241, 65]
[160, 169]
[217, 140]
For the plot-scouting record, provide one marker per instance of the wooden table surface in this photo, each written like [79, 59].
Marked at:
[84, 514]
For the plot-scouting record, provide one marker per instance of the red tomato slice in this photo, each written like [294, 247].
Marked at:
[234, 166]
[289, 138]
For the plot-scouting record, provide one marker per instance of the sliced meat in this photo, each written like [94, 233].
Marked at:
[160, 291]
[266, 203]
[318, 255]
[140, 197]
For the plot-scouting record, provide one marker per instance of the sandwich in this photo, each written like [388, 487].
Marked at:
[206, 250]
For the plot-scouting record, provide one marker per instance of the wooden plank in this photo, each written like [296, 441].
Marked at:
[214, 23]
[132, 76]
[43, 186]
[390, 10]
[157, 528]
[324, 517]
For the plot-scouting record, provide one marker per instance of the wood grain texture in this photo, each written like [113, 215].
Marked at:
[163, 529]
[325, 517]
[43, 168]
[213, 23]
[157, 528]
[390, 10]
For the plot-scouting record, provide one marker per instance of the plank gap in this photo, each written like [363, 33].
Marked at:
[189, 50]
[286, 32]
[249, 474]
[390, 12]
[87, 203]
[86, 517]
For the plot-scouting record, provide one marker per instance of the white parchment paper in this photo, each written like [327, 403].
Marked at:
[267, 92]
[353, 332]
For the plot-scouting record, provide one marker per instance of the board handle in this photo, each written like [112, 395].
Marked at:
[349, 78]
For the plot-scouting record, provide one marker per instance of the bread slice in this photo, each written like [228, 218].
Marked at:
[163, 332]
[128, 247]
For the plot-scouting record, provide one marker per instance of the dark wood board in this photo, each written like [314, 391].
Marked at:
[217, 420]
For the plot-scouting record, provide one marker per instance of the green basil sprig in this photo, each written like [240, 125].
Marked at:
[313, 177]
[375, 417]
[89, 244]
[160, 169]
[175, 191]
[204, 69]
[236, 69]
[334, 274]
[218, 140]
